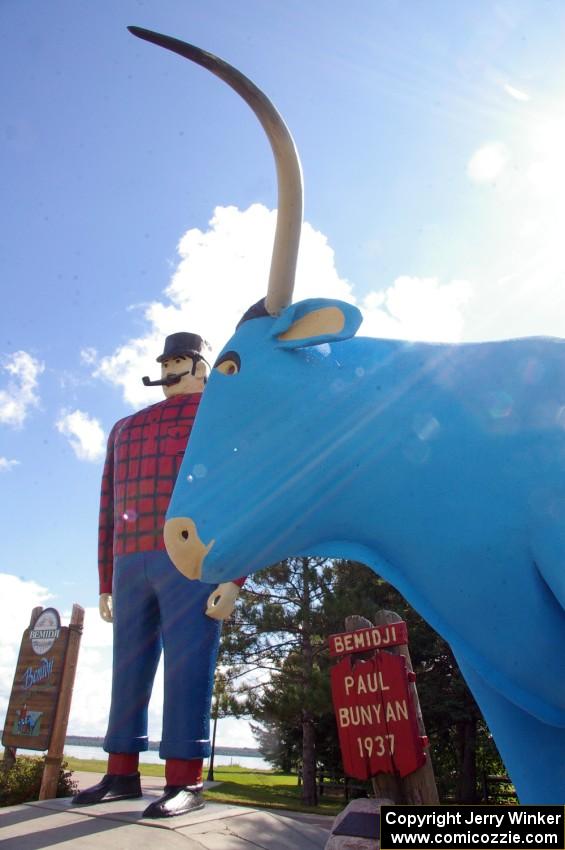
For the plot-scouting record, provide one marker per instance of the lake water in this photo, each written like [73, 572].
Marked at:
[152, 757]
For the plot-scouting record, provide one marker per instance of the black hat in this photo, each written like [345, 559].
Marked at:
[181, 343]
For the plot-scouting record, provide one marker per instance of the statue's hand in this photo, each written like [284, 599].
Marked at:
[105, 607]
[222, 600]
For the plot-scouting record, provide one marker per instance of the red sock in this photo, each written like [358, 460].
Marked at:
[183, 771]
[121, 764]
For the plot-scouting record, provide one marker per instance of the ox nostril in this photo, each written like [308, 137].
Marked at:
[184, 534]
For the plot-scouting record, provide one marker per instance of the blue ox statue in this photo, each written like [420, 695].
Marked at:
[442, 467]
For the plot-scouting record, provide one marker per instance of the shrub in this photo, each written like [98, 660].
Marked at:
[22, 782]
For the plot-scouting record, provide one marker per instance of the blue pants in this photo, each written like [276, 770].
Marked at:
[156, 607]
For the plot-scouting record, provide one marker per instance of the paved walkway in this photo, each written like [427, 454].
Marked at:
[120, 826]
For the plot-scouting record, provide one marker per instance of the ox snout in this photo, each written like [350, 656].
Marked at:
[184, 547]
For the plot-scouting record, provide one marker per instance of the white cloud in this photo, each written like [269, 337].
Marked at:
[93, 683]
[20, 394]
[223, 270]
[85, 434]
[417, 308]
[6, 465]
[18, 598]
[88, 356]
[234, 732]
[488, 162]
[517, 94]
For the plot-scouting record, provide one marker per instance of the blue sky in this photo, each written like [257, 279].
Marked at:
[137, 190]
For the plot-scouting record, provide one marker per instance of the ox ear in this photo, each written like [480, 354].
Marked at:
[315, 321]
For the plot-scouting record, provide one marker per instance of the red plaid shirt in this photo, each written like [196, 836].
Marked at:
[144, 455]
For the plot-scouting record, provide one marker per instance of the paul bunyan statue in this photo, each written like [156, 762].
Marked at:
[152, 606]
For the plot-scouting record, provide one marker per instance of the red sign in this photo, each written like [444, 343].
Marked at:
[376, 717]
[363, 640]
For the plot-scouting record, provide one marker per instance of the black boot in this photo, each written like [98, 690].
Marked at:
[111, 787]
[177, 800]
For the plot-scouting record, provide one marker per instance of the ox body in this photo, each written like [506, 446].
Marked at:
[441, 467]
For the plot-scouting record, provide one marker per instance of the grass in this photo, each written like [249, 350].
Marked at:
[99, 766]
[240, 786]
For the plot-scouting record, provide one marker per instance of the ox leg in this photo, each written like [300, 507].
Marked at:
[533, 752]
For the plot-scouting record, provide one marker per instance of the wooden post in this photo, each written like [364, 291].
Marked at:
[9, 758]
[55, 753]
[419, 787]
[10, 752]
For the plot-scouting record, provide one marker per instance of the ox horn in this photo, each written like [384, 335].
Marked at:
[289, 173]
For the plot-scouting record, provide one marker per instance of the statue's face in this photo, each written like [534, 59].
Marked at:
[188, 383]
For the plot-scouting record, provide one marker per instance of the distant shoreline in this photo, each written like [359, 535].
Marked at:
[88, 741]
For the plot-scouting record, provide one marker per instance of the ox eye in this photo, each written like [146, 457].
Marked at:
[229, 363]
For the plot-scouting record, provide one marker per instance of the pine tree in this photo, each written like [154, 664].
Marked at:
[280, 630]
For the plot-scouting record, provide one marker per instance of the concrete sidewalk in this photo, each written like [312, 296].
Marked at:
[120, 826]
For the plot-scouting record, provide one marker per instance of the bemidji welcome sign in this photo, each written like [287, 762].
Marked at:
[374, 708]
[37, 683]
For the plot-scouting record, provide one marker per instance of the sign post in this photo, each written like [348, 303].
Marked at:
[40, 701]
[55, 753]
[381, 732]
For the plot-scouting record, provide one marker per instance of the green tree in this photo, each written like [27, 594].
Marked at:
[280, 630]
